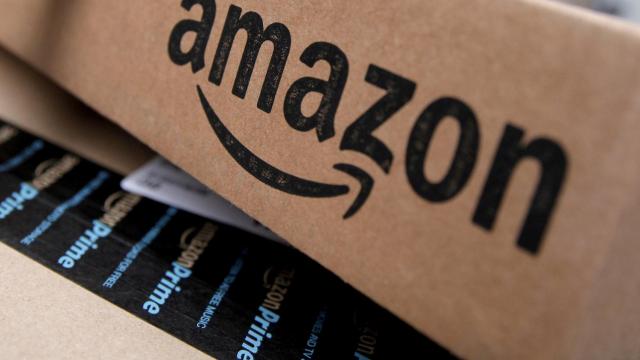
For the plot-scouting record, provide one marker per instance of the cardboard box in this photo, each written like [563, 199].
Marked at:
[65, 201]
[470, 165]
[44, 315]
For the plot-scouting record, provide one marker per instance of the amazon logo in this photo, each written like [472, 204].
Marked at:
[188, 44]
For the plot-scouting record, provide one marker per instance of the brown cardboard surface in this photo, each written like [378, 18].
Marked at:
[43, 315]
[556, 72]
[32, 102]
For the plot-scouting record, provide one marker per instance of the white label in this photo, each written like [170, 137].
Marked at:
[163, 182]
